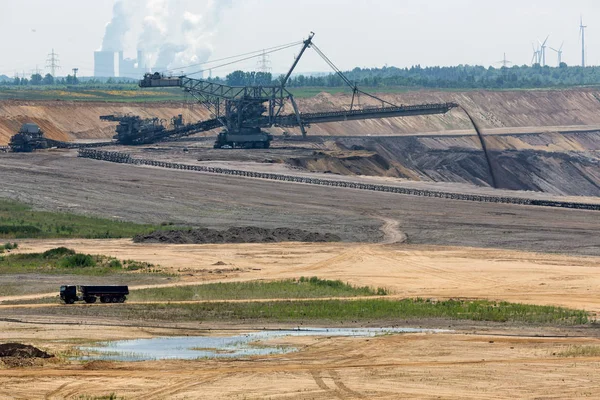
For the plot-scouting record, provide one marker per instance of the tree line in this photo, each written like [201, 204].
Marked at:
[456, 77]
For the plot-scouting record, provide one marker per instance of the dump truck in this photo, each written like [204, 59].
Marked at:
[90, 294]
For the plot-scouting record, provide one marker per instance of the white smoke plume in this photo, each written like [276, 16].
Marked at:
[116, 28]
[173, 33]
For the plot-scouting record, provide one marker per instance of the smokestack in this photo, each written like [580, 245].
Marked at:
[106, 64]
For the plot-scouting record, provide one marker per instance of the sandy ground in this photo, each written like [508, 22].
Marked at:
[485, 363]
[424, 366]
[406, 270]
[479, 361]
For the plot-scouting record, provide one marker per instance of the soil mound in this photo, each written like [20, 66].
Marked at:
[235, 235]
[19, 350]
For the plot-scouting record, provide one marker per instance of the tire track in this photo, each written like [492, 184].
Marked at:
[391, 232]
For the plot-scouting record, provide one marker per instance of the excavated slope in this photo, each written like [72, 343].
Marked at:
[558, 163]
[68, 120]
[496, 109]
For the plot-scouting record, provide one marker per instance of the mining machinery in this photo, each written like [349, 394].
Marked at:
[31, 137]
[134, 130]
[243, 111]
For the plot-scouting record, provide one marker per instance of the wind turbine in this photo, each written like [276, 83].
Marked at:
[536, 55]
[582, 33]
[543, 51]
[559, 52]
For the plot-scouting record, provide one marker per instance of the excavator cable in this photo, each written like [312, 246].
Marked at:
[257, 52]
[355, 90]
[263, 52]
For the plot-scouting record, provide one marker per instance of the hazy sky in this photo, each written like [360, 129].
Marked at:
[365, 33]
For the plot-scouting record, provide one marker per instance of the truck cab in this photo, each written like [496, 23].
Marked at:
[68, 294]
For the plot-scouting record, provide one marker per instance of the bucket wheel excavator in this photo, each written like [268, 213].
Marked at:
[244, 111]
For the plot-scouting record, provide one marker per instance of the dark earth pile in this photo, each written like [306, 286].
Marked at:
[235, 235]
[22, 351]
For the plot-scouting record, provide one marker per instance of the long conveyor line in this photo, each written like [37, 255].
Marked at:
[126, 158]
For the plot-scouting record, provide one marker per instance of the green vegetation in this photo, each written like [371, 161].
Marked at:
[19, 221]
[121, 93]
[457, 77]
[336, 311]
[287, 289]
[8, 246]
[380, 80]
[580, 351]
[63, 261]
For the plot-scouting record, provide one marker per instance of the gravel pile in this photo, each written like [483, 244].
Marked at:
[235, 235]
[19, 350]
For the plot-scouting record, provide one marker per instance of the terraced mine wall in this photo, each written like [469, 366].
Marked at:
[125, 158]
[69, 120]
[491, 109]
[566, 163]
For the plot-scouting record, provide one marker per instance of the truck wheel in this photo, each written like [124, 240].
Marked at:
[115, 299]
[70, 301]
[90, 300]
[103, 299]
[122, 299]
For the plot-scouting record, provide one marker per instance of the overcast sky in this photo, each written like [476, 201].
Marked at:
[364, 33]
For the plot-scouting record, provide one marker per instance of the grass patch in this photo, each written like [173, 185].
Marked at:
[580, 351]
[8, 247]
[19, 221]
[66, 261]
[120, 93]
[328, 311]
[287, 289]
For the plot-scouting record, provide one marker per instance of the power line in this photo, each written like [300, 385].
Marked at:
[53, 63]
[256, 54]
[244, 59]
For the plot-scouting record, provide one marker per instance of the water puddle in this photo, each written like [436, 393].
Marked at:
[239, 346]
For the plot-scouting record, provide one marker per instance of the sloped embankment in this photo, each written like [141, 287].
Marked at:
[564, 164]
[70, 120]
[491, 109]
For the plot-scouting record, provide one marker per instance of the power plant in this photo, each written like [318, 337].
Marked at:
[110, 64]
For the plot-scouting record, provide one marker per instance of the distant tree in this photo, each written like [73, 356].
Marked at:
[36, 79]
[24, 81]
[563, 65]
[110, 81]
[48, 80]
[16, 81]
[70, 80]
[263, 79]
[236, 78]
